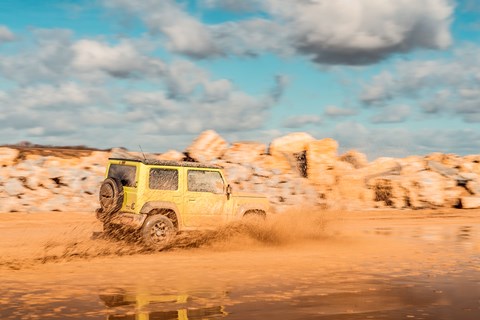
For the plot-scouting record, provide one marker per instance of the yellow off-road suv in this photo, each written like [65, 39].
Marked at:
[160, 198]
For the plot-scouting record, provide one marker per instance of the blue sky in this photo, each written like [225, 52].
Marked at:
[386, 77]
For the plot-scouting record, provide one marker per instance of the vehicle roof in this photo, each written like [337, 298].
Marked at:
[170, 163]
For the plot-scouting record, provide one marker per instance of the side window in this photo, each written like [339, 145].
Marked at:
[125, 174]
[163, 179]
[204, 181]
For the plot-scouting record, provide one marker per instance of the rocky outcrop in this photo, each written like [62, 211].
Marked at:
[50, 183]
[207, 147]
[289, 151]
[296, 171]
[245, 152]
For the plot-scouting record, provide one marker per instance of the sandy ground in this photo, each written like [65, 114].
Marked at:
[310, 265]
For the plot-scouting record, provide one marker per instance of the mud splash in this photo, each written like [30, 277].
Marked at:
[279, 230]
[80, 244]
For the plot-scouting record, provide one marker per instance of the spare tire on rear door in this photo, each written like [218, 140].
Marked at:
[111, 197]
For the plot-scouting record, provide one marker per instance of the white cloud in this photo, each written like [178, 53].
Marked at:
[185, 33]
[334, 111]
[46, 59]
[329, 32]
[5, 34]
[302, 121]
[402, 141]
[365, 31]
[122, 60]
[232, 5]
[392, 114]
[61, 88]
[447, 85]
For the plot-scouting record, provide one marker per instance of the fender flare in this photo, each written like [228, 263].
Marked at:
[153, 205]
[251, 207]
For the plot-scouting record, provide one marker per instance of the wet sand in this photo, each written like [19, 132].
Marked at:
[342, 265]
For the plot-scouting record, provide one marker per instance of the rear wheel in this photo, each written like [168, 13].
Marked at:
[158, 231]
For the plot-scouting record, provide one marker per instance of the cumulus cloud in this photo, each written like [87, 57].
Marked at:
[122, 60]
[232, 5]
[364, 31]
[392, 114]
[48, 109]
[67, 88]
[302, 121]
[329, 32]
[334, 111]
[5, 34]
[185, 33]
[443, 86]
[47, 58]
[402, 142]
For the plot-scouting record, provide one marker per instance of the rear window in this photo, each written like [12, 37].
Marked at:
[125, 174]
[163, 179]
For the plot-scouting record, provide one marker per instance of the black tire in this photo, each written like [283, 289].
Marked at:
[158, 232]
[111, 197]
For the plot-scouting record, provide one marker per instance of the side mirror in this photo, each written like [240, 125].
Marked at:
[229, 191]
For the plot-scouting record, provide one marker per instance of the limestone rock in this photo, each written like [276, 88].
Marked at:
[173, 155]
[390, 191]
[473, 187]
[8, 156]
[357, 159]
[429, 189]
[321, 157]
[291, 148]
[352, 187]
[244, 152]
[381, 167]
[275, 164]
[453, 196]
[441, 169]
[412, 165]
[14, 187]
[447, 160]
[124, 153]
[290, 144]
[208, 146]
[96, 158]
[470, 202]
[238, 173]
[11, 204]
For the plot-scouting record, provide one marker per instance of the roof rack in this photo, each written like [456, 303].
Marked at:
[171, 163]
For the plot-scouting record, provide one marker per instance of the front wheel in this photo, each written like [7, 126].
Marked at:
[158, 231]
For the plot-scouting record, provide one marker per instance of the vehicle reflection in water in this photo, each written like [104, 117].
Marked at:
[156, 307]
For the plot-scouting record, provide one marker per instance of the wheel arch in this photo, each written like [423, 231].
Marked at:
[167, 209]
[252, 209]
[259, 212]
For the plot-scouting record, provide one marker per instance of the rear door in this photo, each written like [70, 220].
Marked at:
[163, 186]
[205, 198]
